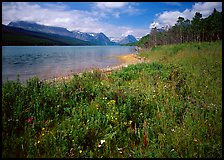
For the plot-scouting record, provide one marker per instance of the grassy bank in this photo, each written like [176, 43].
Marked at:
[171, 107]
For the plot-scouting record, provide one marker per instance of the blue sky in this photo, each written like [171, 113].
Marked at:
[115, 19]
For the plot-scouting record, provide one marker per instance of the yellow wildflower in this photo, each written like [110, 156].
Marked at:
[38, 141]
[43, 129]
[125, 123]
[80, 151]
[112, 102]
[43, 134]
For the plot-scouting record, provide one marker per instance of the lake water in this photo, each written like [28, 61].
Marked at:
[55, 61]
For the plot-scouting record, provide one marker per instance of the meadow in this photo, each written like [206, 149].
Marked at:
[169, 107]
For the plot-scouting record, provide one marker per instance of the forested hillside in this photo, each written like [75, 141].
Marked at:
[196, 30]
[18, 36]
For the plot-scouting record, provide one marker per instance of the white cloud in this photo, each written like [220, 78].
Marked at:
[206, 8]
[104, 5]
[170, 17]
[84, 21]
[116, 14]
[127, 32]
[115, 9]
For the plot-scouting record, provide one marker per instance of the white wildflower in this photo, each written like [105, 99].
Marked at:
[102, 141]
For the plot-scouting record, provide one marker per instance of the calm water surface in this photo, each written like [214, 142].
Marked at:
[54, 61]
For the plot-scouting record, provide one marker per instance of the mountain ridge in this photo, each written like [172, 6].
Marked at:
[128, 39]
[94, 38]
[19, 36]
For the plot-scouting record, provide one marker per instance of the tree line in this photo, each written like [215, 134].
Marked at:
[196, 30]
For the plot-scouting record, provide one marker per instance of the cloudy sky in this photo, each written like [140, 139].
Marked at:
[115, 19]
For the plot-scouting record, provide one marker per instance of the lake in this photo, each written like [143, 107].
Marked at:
[55, 61]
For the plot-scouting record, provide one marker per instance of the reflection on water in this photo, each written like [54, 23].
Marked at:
[53, 61]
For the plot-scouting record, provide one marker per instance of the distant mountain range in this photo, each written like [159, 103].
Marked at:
[96, 38]
[50, 35]
[128, 39]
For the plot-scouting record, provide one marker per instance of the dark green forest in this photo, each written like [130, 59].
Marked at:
[196, 30]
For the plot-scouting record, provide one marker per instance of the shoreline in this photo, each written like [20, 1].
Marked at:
[124, 61]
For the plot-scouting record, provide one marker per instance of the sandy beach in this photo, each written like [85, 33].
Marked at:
[125, 60]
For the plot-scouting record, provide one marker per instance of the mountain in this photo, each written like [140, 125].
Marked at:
[83, 36]
[32, 26]
[128, 39]
[115, 39]
[102, 39]
[94, 38]
[19, 36]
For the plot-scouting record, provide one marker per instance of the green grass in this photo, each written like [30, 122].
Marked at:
[171, 107]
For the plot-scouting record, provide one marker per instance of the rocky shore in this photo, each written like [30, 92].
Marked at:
[125, 60]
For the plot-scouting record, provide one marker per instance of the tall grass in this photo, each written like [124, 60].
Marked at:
[171, 107]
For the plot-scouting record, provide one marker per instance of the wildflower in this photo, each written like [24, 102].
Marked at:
[99, 145]
[199, 91]
[43, 134]
[172, 130]
[195, 140]
[29, 120]
[125, 123]
[80, 151]
[43, 129]
[172, 150]
[130, 122]
[141, 114]
[101, 142]
[38, 142]
[9, 120]
[112, 102]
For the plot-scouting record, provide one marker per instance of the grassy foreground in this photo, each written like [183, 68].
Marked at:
[171, 107]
